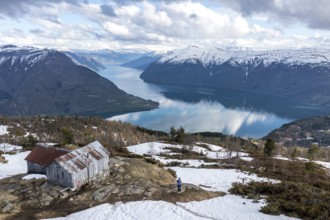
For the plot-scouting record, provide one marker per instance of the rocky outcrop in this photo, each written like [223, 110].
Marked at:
[129, 179]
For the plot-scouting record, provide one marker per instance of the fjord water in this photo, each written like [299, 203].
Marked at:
[203, 109]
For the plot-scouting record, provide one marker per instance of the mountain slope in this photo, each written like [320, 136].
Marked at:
[41, 81]
[142, 62]
[302, 75]
[305, 132]
[82, 60]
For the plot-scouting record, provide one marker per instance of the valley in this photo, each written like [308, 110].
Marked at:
[223, 176]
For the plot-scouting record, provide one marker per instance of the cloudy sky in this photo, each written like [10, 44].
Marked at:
[165, 24]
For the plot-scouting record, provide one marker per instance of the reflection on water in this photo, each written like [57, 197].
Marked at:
[204, 116]
[203, 109]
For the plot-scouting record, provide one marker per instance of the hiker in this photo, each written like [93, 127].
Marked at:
[179, 184]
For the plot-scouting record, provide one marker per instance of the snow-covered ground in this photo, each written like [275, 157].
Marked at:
[156, 148]
[15, 165]
[9, 147]
[228, 207]
[3, 130]
[34, 176]
[190, 163]
[222, 208]
[322, 163]
[216, 179]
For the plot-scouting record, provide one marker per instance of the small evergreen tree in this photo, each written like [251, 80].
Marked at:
[177, 135]
[294, 153]
[312, 152]
[172, 133]
[269, 147]
[67, 135]
[30, 141]
[180, 135]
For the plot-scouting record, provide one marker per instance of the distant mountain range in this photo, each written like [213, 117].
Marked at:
[42, 81]
[302, 75]
[98, 59]
[105, 56]
[85, 60]
[143, 61]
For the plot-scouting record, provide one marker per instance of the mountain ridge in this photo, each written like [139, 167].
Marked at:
[282, 73]
[43, 81]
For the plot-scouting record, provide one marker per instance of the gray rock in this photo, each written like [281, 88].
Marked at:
[148, 194]
[7, 186]
[10, 190]
[104, 192]
[133, 190]
[54, 193]
[8, 207]
[121, 170]
[45, 199]
[127, 176]
[46, 187]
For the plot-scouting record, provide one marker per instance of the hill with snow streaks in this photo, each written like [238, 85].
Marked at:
[42, 81]
[302, 75]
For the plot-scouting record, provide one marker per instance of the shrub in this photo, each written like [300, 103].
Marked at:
[291, 198]
[211, 166]
[172, 172]
[174, 164]
[272, 209]
[311, 166]
[153, 161]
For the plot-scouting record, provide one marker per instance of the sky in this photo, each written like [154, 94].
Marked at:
[165, 24]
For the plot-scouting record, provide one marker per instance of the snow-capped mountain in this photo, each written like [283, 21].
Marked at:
[302, 75]
[42, 81]
[239, 56]
[19, 55]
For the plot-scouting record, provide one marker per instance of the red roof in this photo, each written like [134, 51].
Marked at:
[45, 155]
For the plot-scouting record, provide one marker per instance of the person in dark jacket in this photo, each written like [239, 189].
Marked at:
[179, 184]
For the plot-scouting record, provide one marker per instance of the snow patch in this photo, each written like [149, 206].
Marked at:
[156, 148]
[216, 179]
[34, 176]
[15, 165]
[322, 163]
[3, 130]
[9, 147]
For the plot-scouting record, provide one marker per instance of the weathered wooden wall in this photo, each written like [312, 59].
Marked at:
[56, 174]
[35, 168]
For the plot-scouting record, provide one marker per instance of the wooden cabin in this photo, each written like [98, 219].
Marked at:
[41, 156]
[79, 166]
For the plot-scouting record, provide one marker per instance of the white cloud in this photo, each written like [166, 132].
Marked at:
[117, 30]
[155, 18]
[127, 10]
[160, 24]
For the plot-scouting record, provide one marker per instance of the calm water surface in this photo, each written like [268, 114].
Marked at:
[202, 109]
